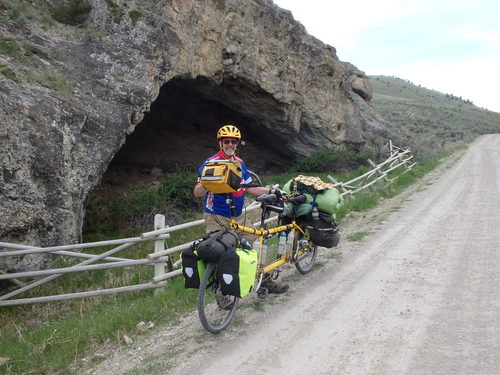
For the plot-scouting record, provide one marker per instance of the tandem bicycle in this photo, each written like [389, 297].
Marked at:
[301, 252]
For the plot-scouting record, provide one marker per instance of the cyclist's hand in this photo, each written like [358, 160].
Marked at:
[277, 192]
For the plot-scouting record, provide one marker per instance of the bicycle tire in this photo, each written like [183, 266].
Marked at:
[255, 177]
[212, 317]
[306, 261]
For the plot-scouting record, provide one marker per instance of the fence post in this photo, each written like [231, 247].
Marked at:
[340, 185]
[380, 173]
[159, 246]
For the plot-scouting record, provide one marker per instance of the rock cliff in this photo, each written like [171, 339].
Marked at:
[152, 81]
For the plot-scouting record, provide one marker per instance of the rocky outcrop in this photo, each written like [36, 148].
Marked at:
[167, 74]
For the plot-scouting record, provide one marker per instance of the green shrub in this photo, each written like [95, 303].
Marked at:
[116, 11]
[74, 13]
[331, 160]
[10, 47]
[137, 209]
[135, 15]
[177, 188]
[8, 73]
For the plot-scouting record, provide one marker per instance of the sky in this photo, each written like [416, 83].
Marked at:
[452, 46]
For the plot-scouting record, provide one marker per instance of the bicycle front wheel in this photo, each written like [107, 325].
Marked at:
[215, 310]
[307, 254]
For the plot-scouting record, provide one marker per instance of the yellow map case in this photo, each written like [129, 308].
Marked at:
[221, 176]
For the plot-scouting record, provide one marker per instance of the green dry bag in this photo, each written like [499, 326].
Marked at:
[237, 270]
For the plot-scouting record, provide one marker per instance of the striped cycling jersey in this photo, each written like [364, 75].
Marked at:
[216, 203]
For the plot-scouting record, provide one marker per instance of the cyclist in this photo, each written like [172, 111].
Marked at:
[217, 212]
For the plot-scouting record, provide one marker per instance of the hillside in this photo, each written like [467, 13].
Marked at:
[430, 114]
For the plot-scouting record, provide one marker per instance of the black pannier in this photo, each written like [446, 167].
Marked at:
[192, 267]
[323, 230]
[215, 243]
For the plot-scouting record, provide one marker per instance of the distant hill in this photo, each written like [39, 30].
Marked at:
[430, 114]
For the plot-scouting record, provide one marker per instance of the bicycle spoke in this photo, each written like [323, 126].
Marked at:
[307, 254]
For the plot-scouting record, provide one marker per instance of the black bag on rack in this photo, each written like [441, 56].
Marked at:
[215, 243]
[323, 230]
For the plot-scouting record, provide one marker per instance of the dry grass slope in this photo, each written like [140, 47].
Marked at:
[431, 114]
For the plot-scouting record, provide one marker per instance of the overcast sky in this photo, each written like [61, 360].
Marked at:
[452, 46]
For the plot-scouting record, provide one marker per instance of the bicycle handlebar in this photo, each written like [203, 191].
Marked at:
[249, 185]
[266, 198]
[298, 199]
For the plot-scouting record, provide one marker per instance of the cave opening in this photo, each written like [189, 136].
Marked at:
[180, 131]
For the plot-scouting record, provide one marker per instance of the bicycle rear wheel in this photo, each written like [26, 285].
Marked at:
[307, 255]
[214, 309]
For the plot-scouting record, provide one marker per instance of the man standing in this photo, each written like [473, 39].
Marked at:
[216, 210]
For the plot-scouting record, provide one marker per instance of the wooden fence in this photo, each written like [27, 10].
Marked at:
[398, 158]
[160, 259]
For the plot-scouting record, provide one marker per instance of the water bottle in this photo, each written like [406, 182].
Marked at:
[289, 240]
[263, 258]
[315, 213]
[256, 244]
[282, 243]
[315, 217]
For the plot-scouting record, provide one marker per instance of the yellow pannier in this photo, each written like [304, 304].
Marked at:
[221, 176]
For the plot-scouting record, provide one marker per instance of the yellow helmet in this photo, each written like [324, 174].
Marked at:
[228, 131]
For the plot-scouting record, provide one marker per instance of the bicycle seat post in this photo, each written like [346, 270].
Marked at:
[230, 203]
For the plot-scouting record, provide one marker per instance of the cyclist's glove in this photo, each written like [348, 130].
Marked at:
[278, 193]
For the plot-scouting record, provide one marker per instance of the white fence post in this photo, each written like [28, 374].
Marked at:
[159, 246]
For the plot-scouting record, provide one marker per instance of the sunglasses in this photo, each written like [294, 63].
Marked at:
[228, 141]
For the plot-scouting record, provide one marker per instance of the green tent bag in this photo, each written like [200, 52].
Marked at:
[237, 270]
[193, 268]
[327, 200]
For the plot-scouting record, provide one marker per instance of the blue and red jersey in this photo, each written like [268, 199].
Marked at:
[216, 203]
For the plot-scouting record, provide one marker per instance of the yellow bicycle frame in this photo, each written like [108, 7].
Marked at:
[262, 234]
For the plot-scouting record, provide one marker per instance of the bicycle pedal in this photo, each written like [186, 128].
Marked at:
[262, 293]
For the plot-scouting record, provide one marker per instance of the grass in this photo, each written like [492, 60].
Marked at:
[52, 80]
[335, 254]
[78, 326]
[357, 236]
[57, 345]
[56, 336]
[8, 73]
[22, 12]
[15, 12]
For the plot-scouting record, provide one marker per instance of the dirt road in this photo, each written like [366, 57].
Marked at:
[419, 295]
